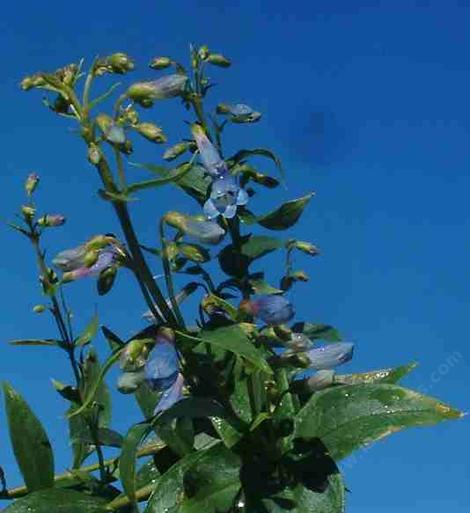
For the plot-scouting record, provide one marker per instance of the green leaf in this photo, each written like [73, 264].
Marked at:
[286, 215]
[379, 376]
[301, 499]
[260, 152]
[113, 340]
[127, 459]
[192, 408]
[351, 416]
[30, 443]
[317, 331]
[92, 377]
[147, 399]
[94, 388]
[158, 182]
[207, 480]
[89, 333]
[264, 288]
[233, 339]
[35, 342]
[194, 182]
[259, 245]
[58, 501]
[79, 434]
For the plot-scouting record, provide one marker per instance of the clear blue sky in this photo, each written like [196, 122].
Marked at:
[367, 104]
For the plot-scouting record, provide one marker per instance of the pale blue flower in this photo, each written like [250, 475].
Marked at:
[330, 356]
[210, 157]
[171, 395]
[272, 309]
[161, 369]
[225, 196]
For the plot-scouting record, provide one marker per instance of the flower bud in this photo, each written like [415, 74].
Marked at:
[129, 382]
[320, 380]
[94, 154]
[203, 52]
[161, 369]
[169, 86]
[39, 309]
[239, 113]
[28, 211]
[120, 63]
[207, 232]
[32, 81]
[51, 220]
[175, 151]
[330, 356]
[218, 59]
[305, 247]
[113, 132]
[160, 63]
[210, 156]
[272, 310]
[106, 279]
[134, 355]
[194, 253]
[31, 183]
[151, 132]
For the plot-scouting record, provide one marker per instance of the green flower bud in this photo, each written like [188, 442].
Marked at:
[203, 52]
[106, 280]
[94, 154]
[134, 355]
[151, 132]
[120, 63]
[175, 151]
[39, 309]
[305, 247]
[218, 59]
[91, 257]
[28, 211]
[32, 81]
[31, 183]
[113, 132]
[160, 63]
[194, 253]
[129, 382]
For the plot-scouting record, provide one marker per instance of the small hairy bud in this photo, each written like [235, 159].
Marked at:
[31, 183]
[151, 132]
[51, 220]
[175, 151]
[160, 63]
[120, 63]
[218, 59]
[28, 211]
[39, 309]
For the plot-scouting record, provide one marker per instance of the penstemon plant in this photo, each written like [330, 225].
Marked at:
[241, 406]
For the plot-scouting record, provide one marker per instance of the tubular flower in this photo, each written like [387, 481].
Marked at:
[169, 86]
[239, 112]
[197, 227]
[90, 259]
[330, 356]
[161, 369]
[171, 395]
[225, 196]
[273, 309]
[210, 157]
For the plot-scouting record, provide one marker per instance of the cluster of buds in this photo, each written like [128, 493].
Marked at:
[119, 63]
[66, 76]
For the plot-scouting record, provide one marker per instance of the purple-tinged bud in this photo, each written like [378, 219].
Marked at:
[210, 157]
[218, 59]
[161, 369]
[129, 382]
[239, 112]
[272, 310]
[171, 396]
[330, 356]
[169, 86]
[112, 132]
[160, 63]
[175, 151]
[31, 183]
[120, 63]
[39, 309]
[134, 355]
[28, 211]
[151, 132]
[51, 220]
[197, 227]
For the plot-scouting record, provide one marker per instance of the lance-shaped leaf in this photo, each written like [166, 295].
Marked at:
[127, 459]
[392, 375]
[57, 500]
[174, 177]
[286, 215]
[233, 339]
[317, 331]
[260, 152]
[30, 443]
[206, 480]
[351, 416]
[194, 182]
[35, 342]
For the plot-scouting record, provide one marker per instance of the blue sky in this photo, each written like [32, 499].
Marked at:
[366, 102]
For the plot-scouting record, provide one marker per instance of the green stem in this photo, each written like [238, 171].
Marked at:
[169, 277]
